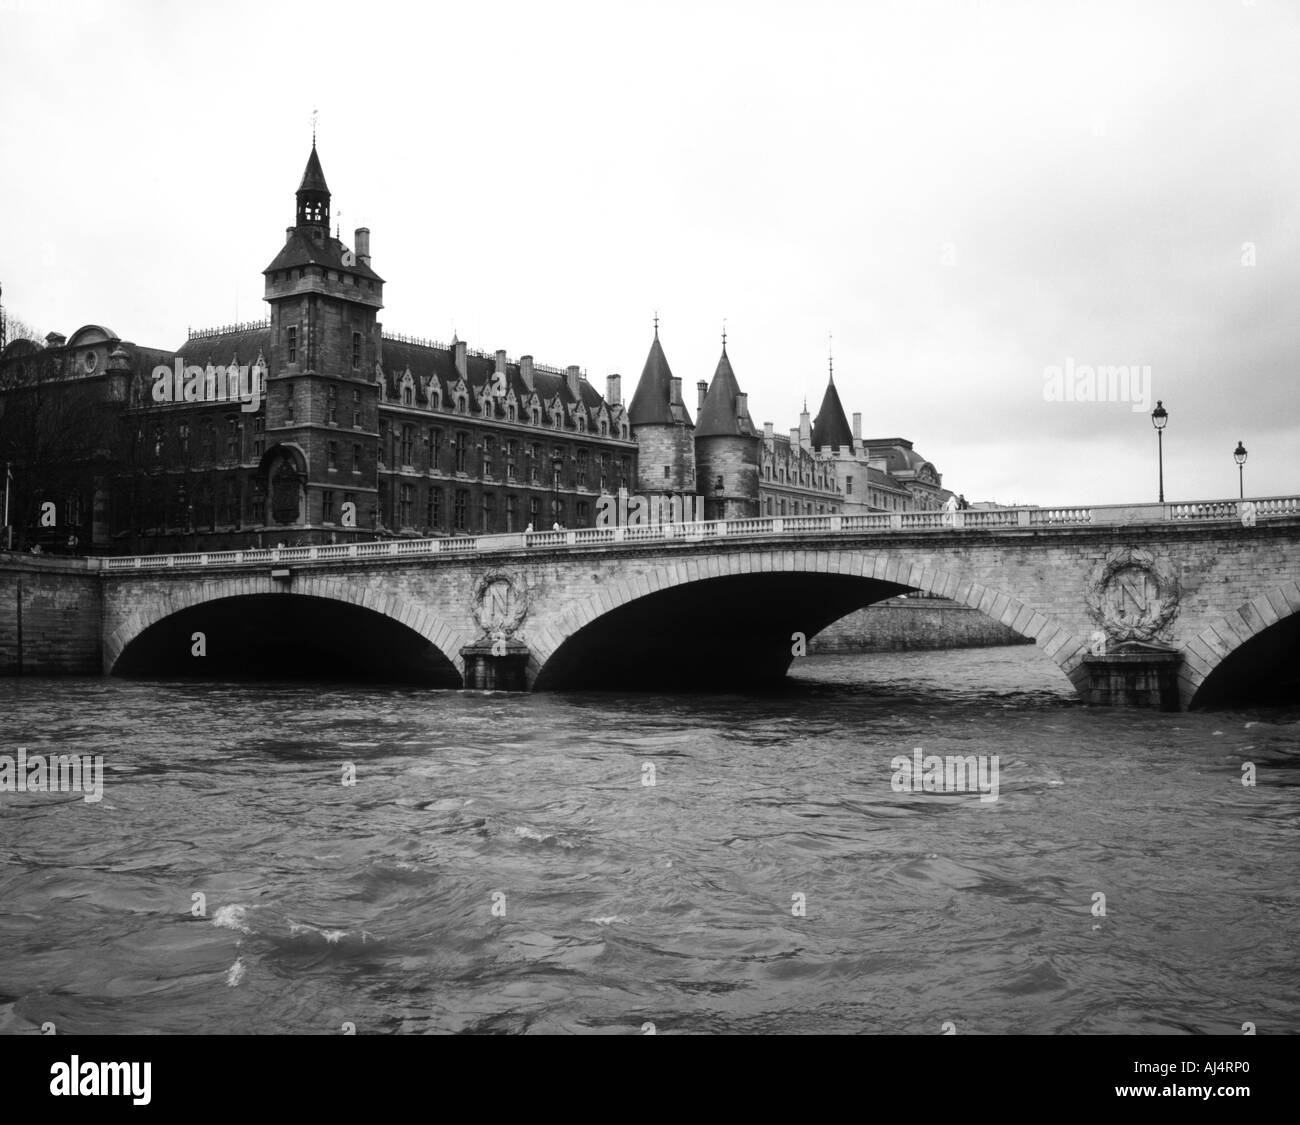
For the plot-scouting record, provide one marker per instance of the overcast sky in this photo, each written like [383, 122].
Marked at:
[965, 193]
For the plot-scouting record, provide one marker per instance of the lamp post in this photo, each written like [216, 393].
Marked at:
[1160, 419]
[9, 534]
[557, 463]
[1239, 455]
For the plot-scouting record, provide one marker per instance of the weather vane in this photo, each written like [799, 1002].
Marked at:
[313, 128]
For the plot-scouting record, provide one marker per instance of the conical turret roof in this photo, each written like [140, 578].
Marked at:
[831, 427]
[720, 415]
[652, 403]
[313, 179]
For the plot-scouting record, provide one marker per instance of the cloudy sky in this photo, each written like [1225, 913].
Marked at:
[965, 193]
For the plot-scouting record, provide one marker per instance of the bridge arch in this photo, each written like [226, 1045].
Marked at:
[447, 640]
[1260, 637]
[895, 576]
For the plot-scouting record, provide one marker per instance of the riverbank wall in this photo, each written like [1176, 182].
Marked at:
[50, 613]
[905, 623]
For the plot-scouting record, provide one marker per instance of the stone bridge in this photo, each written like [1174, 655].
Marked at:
[1169, 605]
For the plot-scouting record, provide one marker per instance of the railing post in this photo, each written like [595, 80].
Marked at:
[1022, 517]
[896, 521]
[778, 525]
[836, 523]
[959, 518]
[571, 537]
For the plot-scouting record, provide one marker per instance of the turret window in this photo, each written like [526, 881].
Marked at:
[292, 343]
[356, 350]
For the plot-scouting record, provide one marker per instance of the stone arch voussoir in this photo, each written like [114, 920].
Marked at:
[1057, 641]
[446, 639]
[1218, 640]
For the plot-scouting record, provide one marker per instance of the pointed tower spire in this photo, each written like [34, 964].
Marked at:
[831, 427]
[314, 196]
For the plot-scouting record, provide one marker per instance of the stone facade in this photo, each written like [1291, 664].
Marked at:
[353, 434]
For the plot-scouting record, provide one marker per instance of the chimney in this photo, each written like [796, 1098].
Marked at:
[288, 233]
[363, 245]
[857, 432]
[501, 359]
[462, 359]
[794, 435]
[571, 379]
[742, 404]
[769, 432]
[805, 431]
[675, 391]
[613, 389]
[703, 388]
[526, 370]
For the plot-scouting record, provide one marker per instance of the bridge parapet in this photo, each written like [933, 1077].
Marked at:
[940, 522]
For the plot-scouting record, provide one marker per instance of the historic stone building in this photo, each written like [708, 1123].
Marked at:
[662, 429]
[336, 431]
[727, 448]
[316, 426]
[871, 475]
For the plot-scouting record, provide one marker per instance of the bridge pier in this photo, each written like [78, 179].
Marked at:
[1133, 675]
[496, 665]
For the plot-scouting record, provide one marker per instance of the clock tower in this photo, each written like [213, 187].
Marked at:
[319, 469]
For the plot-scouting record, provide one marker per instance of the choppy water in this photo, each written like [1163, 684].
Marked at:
[627, 904]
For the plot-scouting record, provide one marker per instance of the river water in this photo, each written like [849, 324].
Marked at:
[502, 864]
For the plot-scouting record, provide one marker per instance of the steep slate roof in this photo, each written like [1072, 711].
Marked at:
[313, 179]
[830, 427]
[430, 363]
[239, 347]
[719, 416]
[300, 250]
[652, 403]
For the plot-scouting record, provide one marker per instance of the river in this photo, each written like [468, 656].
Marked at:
[502, 862]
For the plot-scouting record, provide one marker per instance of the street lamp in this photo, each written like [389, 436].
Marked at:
[1159, 419]
[557, 463]
[1239, 455]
